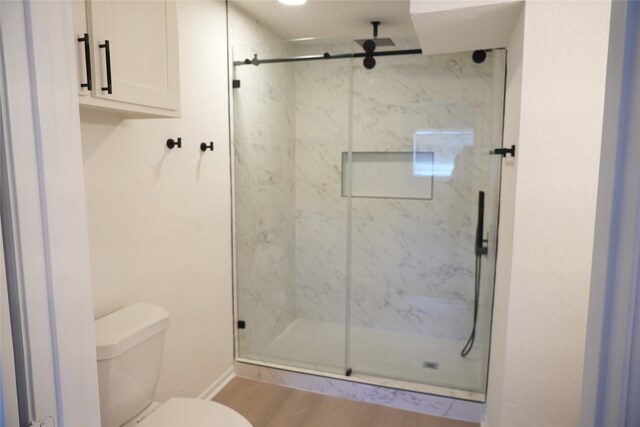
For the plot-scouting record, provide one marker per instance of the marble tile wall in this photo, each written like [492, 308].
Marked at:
[412, 260]
[322, 135]
[264, 150]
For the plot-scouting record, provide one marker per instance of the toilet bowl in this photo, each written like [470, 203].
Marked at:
[129, 346]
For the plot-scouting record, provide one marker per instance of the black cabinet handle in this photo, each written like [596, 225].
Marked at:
[107, 54]
[87, 60]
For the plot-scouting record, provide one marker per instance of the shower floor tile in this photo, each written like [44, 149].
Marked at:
[318, 345]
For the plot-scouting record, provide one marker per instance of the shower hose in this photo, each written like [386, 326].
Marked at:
[472, 337]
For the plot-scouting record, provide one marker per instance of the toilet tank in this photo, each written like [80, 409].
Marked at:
[129, 344]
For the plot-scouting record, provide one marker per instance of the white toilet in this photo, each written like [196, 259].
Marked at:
[129, 346]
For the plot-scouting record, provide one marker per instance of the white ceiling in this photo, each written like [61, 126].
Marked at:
[332, 18]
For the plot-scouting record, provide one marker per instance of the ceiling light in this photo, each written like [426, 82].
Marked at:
[292, 2]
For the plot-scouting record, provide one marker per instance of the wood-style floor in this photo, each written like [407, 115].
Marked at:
[270, 405]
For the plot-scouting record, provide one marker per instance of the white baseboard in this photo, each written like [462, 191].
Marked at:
[218, 384]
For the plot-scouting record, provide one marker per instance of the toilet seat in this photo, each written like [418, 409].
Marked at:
[182, 412]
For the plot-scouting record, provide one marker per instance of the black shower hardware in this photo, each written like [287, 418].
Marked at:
[384, 41]
[370, 45]
[369, 62]
[87, 60]
[172, 143]
[480, 249]
[107, 56]
[205, 147]
[504, 151]
[479, 56]
[326, 55]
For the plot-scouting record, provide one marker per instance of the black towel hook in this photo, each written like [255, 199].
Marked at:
[171, 143]
[205, 147]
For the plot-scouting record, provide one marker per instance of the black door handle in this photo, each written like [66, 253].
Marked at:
[107, 53]
[504, 151]
[87, 60]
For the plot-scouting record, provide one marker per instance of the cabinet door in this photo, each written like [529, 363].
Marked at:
[83, 54]
[143, 44]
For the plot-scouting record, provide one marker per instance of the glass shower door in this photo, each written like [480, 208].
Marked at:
[290, 128]
[360, 248]
[420, 173]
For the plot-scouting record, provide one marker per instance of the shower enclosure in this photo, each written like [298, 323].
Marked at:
[366, 213]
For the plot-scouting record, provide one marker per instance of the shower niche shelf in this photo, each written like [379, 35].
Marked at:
[389, 175]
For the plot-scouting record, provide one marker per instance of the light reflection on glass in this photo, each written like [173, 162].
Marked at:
[446, 145]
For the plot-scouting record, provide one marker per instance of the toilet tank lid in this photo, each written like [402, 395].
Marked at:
[119, 331]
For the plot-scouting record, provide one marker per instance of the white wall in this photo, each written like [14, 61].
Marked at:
[543, 282]
[159, 219]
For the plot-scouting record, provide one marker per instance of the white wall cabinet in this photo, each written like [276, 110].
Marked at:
[133, 60]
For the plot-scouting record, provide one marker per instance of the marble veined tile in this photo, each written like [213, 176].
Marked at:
[320, 202]
[259, 209]
[264, 252]
[266, 304]
[319, 164]
[322, 305]
[259, 165]
[442, 318]
[321, 274]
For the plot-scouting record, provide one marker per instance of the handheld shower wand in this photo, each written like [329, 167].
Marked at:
[480, 249]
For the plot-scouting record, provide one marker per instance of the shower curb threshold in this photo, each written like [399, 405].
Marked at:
[440, 401]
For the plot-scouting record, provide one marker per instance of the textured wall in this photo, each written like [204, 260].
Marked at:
[540, 337]
[159, 222]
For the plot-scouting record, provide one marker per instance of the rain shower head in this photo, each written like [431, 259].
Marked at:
[385, 41]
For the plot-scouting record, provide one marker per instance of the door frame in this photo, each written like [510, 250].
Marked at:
[611, 386]
[42, 205]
